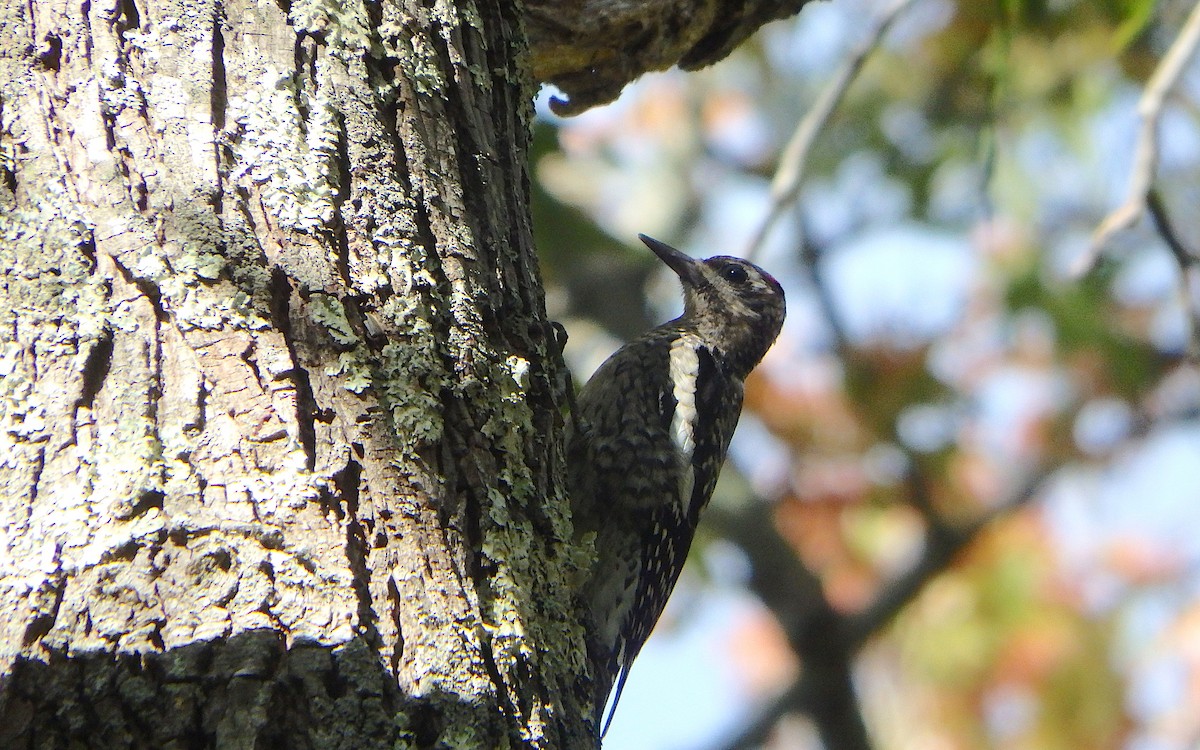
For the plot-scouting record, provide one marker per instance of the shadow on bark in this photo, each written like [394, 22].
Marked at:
[249, 691]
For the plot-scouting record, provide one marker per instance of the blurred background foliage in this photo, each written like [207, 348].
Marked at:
[967, 481]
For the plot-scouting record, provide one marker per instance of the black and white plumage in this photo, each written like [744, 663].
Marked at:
[651, 430]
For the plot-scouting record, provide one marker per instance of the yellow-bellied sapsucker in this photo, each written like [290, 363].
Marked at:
[651, 430]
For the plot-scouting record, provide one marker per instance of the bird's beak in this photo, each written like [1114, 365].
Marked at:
[686, 267]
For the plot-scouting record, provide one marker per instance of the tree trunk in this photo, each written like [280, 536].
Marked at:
[280, 408]
[280, 457]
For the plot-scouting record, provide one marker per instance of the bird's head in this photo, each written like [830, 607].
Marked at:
[733, 305]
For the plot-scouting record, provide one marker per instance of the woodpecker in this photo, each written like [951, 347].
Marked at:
[649, 436]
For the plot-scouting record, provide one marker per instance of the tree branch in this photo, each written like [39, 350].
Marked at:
[815, 631]
[810, 257]
[826, 640]
[591, 49]
[789, 175]
[1189, 268]
[942, 544]
[1146, 153]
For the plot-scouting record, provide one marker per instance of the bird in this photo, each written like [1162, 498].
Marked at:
[648, 438]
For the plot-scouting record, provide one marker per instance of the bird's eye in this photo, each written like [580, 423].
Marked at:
[736, 274]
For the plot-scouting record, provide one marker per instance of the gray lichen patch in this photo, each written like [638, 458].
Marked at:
[328, 313]
[291, 158]
[57, 310]
[48, 278]
[343, 26]
[411, 381]
[528, 600]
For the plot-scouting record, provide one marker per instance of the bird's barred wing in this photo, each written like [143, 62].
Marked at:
[718, 405]
[665, 544]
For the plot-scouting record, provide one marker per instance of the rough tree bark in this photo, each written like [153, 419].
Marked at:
[280, 457]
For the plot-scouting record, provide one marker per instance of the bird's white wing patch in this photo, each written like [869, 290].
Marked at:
[685, 367]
